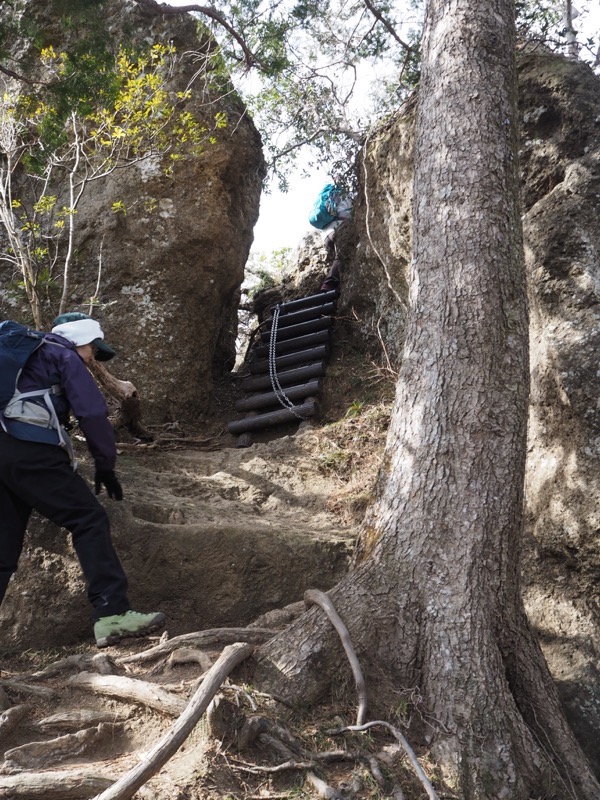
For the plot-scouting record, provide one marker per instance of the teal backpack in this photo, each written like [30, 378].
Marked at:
[324, 210]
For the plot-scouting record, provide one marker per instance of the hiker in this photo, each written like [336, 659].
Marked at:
[38, 470]
[332, 208]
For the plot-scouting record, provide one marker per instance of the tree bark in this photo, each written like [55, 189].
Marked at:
[433, 603]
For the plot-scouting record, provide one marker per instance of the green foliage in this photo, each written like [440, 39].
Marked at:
[93, 114]
[326, 70]
[82, 22]
[335, 462]
[265, 270]
[316, 61]
[354, 409]
[537, 18]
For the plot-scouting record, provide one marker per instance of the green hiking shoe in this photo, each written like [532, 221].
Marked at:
[110, 630]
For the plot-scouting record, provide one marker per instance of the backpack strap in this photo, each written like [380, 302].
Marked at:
[36, 432]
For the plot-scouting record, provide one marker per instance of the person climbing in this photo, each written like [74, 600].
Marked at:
[38, 471]
[332, 208]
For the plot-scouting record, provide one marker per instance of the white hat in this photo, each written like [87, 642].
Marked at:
[84, 331]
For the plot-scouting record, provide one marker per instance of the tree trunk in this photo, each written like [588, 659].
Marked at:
[570, 35]
[128, 412]
[433, 604]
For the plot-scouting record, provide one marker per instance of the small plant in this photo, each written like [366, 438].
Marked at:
[265, 270]
[265, 280]
[335, 462]
[355, 408]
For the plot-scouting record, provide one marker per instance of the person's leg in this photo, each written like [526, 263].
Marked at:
[73, 506]
[332, 281]
[14, 514]
[329, 242]
[42, 478]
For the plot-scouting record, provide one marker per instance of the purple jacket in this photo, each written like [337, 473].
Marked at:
[60, 364]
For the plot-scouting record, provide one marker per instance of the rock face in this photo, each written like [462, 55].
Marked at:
[375, 281]
[560, 157]
[172, 264]
[560, 160]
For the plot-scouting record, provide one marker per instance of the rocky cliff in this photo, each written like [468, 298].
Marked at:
[559, 112]
[172, 264]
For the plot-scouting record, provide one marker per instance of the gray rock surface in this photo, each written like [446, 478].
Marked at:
[172, 264]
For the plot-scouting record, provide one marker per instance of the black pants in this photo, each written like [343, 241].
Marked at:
[40, 476]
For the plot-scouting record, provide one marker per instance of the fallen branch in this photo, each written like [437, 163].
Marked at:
[75, 785]
[128, 785]
[131, 690]
[208, 638]
[321, 599]
[431, 793]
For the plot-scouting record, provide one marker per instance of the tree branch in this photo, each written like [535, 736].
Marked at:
[163, 8]
[387, 25]
[11, 74]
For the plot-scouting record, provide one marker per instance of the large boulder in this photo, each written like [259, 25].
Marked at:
[172, 264]
[560, 157]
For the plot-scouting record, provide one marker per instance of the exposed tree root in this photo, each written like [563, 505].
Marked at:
[41, 755]
[71, 721]
[4, 700]
[10, 718]
[209, 638]
[295, 757]
[185, 655]
[431, 793]
[24, 688]
[127, 786]
[59, 785]
[124, 393]
[322, 600]
[100, 663]
[322, 789]
[85, 729]
[131, 690]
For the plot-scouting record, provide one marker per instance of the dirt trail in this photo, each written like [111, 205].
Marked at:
[213, 538]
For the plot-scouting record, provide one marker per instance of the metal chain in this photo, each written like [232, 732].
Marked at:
[277, 388]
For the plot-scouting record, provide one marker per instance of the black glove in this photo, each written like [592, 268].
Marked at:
[110, 480]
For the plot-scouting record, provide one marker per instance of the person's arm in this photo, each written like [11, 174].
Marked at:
[89, 407]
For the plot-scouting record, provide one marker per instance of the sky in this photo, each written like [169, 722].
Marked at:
[283, 218]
